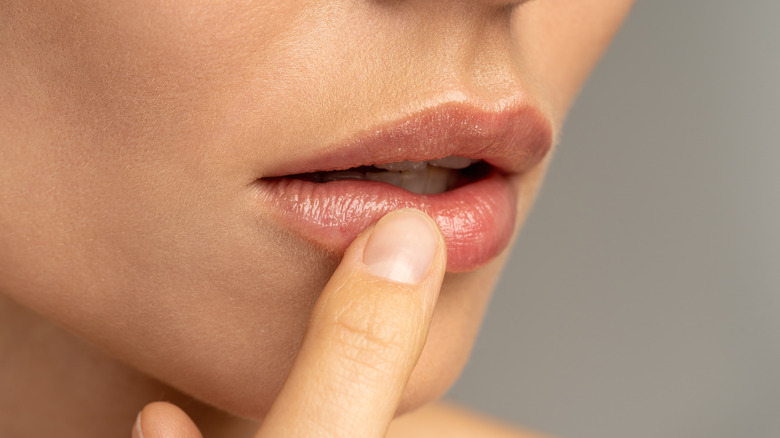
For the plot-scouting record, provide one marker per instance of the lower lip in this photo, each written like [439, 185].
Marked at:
[477, 219]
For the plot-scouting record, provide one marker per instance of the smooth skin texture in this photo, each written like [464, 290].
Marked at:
[364, 338]
[135, 262]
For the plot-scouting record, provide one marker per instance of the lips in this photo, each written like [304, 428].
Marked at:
[462, 165]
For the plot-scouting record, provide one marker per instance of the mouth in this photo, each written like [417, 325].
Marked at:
[430, 177]
[461, 165]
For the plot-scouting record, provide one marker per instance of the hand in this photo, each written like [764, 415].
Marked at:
[364, 337]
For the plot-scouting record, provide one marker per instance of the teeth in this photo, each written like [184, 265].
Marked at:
[453, 162]
[421, 177]
[448, 162]
[414, 181]
[342, 175]
[438, 179]
[403, 166]
[393, 178]
[430, 180]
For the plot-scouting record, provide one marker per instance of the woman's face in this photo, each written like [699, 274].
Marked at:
[142, 144]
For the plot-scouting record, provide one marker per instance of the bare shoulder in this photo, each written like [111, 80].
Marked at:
[446, 419]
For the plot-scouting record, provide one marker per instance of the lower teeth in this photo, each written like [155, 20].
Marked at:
[426, 181]
[438, 177]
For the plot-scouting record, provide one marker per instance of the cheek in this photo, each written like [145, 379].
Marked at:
[455, 325]
[559, 41]
[126, 216]
[111, 136]
[121, 215]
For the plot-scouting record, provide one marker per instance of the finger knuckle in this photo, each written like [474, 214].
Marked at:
[377, 335]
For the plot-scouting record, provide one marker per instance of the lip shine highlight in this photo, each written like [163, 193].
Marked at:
[477, 219]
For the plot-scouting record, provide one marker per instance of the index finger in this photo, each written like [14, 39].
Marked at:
[365, 334]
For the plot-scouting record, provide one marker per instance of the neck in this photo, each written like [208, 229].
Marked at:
[53, 383]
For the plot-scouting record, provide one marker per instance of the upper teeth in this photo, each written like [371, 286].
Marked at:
[428, 180]
[448, 162]
[422, 177]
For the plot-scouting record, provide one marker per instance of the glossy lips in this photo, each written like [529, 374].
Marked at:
[477, 218]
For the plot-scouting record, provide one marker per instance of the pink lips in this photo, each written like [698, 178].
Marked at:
[477, 219]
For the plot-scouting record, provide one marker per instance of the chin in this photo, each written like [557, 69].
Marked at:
[245, 382]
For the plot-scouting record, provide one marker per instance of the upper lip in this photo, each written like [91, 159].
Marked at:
[513, 139]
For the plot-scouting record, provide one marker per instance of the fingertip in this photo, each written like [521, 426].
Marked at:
[164, 420]
[137, 431]
[403, 246]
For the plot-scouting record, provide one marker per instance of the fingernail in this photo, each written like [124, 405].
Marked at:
[401, 247]
[137, 431]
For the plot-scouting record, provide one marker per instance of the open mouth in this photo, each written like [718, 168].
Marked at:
[420, 177]
[473, 202]
[459, 163]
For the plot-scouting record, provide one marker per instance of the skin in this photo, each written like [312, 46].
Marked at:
[135, 265]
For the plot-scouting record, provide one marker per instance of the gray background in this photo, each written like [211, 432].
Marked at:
[643, 297]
